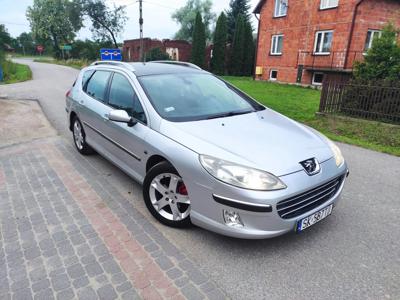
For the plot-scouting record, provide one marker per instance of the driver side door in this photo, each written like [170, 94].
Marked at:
[128, 142]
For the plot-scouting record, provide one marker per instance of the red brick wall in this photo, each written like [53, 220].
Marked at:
[303, 19]
[131, 48]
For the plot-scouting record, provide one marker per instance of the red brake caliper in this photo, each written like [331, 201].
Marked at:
[182, 189]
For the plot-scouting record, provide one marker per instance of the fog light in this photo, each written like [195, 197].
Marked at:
[232, 218]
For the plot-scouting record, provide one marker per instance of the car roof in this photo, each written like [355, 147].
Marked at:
[156, 68]
[153, 68]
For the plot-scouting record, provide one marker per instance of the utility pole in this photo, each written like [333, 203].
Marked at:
[141, 29]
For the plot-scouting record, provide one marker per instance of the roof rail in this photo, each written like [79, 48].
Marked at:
[114, 63]
[179, 63]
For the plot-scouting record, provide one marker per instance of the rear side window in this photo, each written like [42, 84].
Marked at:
[97, 85]
[85, 77]
[122, 96]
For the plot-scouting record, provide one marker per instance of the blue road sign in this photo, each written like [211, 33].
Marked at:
[110, 54]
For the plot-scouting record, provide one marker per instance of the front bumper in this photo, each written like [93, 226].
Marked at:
[257, 209]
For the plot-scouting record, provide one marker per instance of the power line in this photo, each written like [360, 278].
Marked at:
[12, 23]
[160, 5]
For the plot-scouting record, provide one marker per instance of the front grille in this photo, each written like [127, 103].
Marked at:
[302, 203]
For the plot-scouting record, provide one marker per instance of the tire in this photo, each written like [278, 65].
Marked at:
[166, 197]
[80, 138]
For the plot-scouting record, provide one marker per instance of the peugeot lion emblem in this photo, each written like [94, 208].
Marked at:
[311, 166]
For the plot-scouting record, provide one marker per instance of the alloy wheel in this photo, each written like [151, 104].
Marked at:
[169, 196]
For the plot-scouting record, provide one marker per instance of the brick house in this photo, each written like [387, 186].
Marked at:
[176, 49]
[303, 41]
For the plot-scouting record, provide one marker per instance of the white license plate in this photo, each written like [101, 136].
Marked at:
[314, 218]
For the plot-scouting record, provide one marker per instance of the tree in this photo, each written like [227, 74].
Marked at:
[382, 61]
[106, 22]
[25, 43]
[249, 49]
[237, 53]
[236, 8]
[156, 54]
[4, 39]
[199, 42]
[219, 46]
[58, 20]
[186, 16]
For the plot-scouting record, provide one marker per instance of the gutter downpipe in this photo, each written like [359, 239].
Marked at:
[351, 32]
[256, 50]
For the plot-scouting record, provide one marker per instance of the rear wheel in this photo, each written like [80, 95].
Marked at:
[80, 138]
[166, 197]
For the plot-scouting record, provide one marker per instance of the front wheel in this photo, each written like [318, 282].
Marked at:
[166, 197]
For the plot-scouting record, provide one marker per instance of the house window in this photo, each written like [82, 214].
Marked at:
[277, 44]
[371, 35]
[323, 42]
[273, 75]
[328, 4]
[317, 78]
[280, 8]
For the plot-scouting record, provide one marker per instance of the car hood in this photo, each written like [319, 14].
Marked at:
[265, 140]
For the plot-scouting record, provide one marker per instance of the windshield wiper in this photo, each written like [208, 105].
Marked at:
[229, 114]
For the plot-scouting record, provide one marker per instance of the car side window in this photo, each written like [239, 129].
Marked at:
[122, 96]
[86, 76]
[97, 85]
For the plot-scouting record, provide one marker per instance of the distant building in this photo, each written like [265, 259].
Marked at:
[302, 41]
[176, 49]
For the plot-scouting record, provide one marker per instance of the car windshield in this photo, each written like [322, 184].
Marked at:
[193, 96]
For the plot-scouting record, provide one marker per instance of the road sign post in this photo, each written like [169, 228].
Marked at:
[111, 54]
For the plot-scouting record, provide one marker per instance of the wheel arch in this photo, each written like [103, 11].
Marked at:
[154, 160]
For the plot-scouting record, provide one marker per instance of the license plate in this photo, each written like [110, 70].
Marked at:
[314, 218]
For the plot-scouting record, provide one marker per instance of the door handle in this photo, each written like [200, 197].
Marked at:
[81, 102]
[105, 119]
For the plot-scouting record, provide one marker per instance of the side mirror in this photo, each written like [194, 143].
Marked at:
[121, 116]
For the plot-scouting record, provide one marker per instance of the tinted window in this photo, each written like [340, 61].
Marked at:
[188, 97]
[122, 96]
[97, 85]
[85, 77]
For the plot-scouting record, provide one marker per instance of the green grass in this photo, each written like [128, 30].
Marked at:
[74, 63]
[14, 72]
[301, 104]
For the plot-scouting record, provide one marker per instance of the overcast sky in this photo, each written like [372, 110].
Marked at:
[156, 13]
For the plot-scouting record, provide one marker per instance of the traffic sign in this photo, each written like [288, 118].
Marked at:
[39, 48]
[110, 54]
[67, 47]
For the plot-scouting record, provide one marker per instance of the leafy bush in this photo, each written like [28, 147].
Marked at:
[382, 61]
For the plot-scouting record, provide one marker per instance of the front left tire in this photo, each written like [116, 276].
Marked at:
[166, 196]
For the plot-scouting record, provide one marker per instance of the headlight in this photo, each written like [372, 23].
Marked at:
[241, 176]
[337, 154]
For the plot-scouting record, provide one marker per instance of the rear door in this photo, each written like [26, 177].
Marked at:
[94, 108]
[129, 142]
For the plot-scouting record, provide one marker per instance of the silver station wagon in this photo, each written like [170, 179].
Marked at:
[205, 152]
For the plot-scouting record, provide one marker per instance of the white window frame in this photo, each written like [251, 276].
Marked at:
[270, 75]
[278, 9]
[313, 78]
[323, 32]
[326, 4]
[275, 43]
[373, 32]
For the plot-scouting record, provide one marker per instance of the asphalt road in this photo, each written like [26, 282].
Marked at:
[354, 254]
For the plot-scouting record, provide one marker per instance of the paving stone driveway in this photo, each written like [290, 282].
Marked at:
[67, 233]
